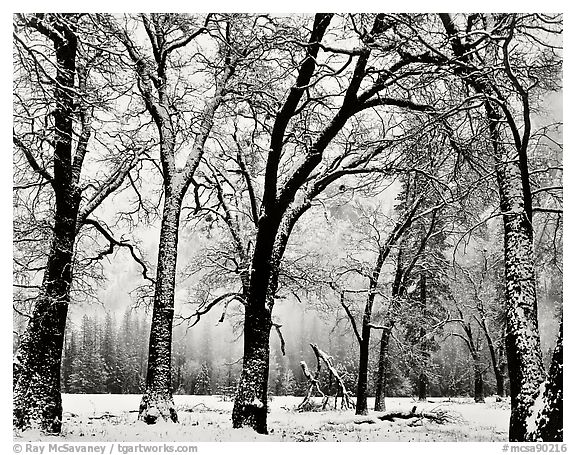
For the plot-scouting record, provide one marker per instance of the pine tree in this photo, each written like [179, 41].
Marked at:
[203, 382]
[70, 353]
[109, 353]
[130, 368]
[89, 371]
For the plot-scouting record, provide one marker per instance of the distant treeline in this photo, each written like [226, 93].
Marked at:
[108, 354]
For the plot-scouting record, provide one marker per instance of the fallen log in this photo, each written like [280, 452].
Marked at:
[103, 416]
[193, 408]
[440, 416]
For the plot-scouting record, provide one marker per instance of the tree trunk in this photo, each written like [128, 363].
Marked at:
[525, 367]
[383, 368]
[499, 382]
[251, 402]
[37, 399]
[422, 387]
[546, 422]
[522, 340]
[423, 378]
[478, 386]
[384, 250]
[157, 400]
[495, 363]
[362, 389]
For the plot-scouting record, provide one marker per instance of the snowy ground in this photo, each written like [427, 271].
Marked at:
[208, 418]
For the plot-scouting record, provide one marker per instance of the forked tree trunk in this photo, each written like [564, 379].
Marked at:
[37, 399]
[157, 400]
[251, 402]
[382, 375]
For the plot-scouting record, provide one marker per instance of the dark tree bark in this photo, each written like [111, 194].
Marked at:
[383, 359]
[423, 377]
[422, 386]
[281, 207]
[383, 369]
[37, 400]
[546, 421]
[251, 401]
[502, 360]
[362, 389]
[498, 374]
[478, 386]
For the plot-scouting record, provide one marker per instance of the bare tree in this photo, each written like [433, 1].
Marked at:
[512, 169]
[282, 206]
[363, 333]
[507, 80]
[58, 56]
[166, 35]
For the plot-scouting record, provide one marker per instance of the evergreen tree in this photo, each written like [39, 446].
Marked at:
[109, 352]
[89, 371]
[203, 383]
[130, 368]
[70, 353]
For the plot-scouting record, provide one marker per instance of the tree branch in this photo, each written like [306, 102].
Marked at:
[118, 243]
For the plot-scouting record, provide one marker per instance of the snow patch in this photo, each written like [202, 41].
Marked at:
[257, 403]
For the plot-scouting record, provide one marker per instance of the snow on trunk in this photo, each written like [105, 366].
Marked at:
[546, 421]
[251, 402]
[157, 400]
[522, 338]
[37, 402]
[37, 399]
